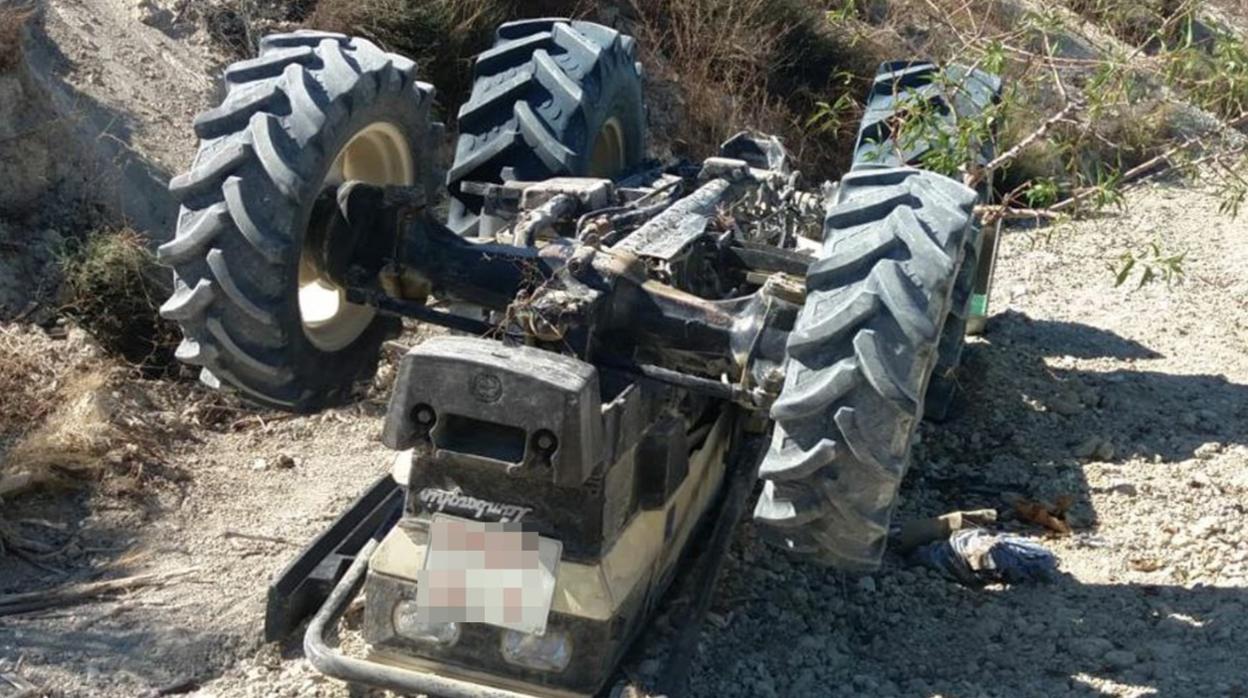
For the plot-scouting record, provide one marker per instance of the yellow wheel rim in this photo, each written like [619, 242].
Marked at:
[607, 158]
[377, 154]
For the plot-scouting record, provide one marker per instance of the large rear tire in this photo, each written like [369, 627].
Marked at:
[552, 98]
[859, 361]
[257, 313]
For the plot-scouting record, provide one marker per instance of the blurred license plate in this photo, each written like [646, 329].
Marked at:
[485, 572]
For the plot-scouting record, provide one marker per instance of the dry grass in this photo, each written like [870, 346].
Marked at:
[29, 380]
[54, 417]
[1136, 21]
[442, 36]
[113, 288]
[237, 25]
[71, 415]
[13, 19]
[71, 439]
[759, 64]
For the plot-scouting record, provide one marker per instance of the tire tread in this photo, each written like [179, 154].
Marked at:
[860, 356]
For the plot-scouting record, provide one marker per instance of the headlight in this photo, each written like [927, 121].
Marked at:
[549, 652]
[408, 623]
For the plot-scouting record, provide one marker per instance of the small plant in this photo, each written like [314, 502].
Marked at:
[1106, 191]
[1232, 187]
[1042, 192]
[1213, 75]
[1076, 128]
[847, 12]
[922, 124]
[1151, 263]
[840, 114]
[113, 288]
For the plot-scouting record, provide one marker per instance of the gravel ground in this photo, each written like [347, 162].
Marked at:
[1152, 600]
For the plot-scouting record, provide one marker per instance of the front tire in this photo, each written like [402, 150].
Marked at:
[313, 109]
[859, 360]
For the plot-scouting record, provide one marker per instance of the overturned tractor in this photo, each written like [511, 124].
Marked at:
[631, 347]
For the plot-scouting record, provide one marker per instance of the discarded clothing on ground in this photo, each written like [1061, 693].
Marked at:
[976, 557]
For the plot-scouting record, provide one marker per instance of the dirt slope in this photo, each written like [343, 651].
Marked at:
[123, 84]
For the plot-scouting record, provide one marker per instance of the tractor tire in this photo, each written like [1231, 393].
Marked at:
[859, 360]
[900, 82]
[314, 107]
[877, 147]
[552, 98]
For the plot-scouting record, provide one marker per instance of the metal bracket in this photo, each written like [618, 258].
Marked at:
[300, 589]
[977, 316]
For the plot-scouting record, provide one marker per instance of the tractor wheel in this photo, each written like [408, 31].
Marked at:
[553, 97]
[877, 146]
[257, 312]
[859, 360]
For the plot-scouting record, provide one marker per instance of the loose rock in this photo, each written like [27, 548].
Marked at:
[1091, 647]
[1104, 450]
[1087, 447]
[1208, 450]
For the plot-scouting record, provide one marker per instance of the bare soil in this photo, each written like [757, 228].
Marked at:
[1153, 383]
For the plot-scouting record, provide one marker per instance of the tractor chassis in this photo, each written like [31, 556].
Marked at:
[586, 288]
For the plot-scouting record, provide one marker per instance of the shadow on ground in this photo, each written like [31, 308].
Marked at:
[912, 633]
[89, 635]
[1024, 426]
[154, 656]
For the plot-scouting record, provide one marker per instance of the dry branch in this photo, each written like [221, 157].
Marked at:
[231, 533]
[1009, 155]
[1154, 166]
[64, 596]
[991, 213]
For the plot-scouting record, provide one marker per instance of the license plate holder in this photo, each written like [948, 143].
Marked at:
[487, 572]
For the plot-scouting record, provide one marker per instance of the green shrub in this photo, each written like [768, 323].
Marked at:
[113, 288]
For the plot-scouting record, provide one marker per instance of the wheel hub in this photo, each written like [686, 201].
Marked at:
[377, 154]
